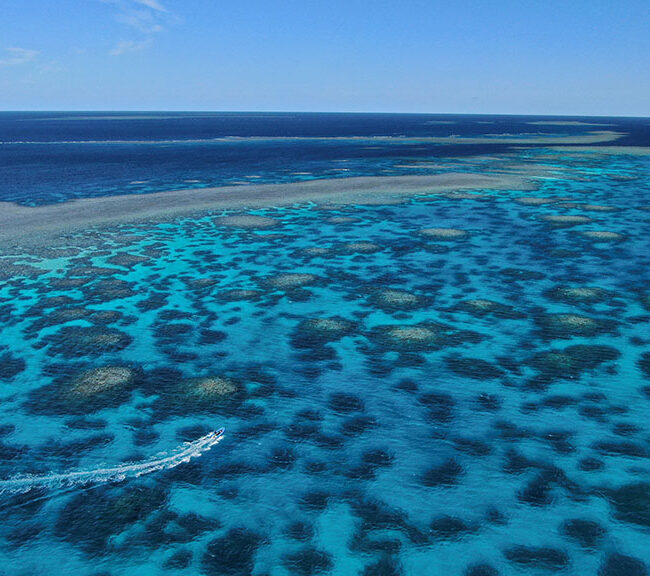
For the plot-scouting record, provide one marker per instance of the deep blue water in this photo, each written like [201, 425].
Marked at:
[53, 157]
[396, 401]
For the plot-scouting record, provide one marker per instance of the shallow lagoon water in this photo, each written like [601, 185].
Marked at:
[395, 402]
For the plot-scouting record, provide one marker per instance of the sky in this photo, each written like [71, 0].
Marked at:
[569, 57]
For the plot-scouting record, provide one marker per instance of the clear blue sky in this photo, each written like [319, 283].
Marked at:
[499, 56]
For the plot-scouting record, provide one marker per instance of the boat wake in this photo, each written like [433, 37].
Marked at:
[164, 461]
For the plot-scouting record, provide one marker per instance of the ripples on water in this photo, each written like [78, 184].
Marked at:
[456, 385]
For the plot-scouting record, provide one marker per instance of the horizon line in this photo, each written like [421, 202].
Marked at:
[341, 112]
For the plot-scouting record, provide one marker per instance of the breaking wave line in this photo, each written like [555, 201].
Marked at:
[164, 461]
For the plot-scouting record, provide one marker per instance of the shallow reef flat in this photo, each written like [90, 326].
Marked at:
[456, 383]
[35, 224]
[590, 137]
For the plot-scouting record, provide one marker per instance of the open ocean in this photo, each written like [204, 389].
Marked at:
[457, 384]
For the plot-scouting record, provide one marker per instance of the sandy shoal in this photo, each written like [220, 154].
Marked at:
[24, 225]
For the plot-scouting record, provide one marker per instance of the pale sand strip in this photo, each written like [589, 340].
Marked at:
[591, 137]
[566, 123]
[22, 225]
[603, 150]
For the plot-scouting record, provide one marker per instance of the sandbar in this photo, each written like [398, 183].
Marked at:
[40, 225]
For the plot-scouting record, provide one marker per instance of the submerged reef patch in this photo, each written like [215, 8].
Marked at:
[602, 235]
[569, 325]
[535, 200]
[480, 307]
[232, 554]
[291, 280]
[87, 391]
[239, 294]
[205, 394]
[361, 248]
[443, 234]
[109, 512]
[544, 557]
[566, 220]
[76, 341]
[577, 294]
[315, 332]
[247, 221]
[390, 299]
[476, 368]
[572, 361]
[10, 366]
[616, 564]
[631, 503]
[423, 336]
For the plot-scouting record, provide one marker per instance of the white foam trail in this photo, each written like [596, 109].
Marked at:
[184, 453]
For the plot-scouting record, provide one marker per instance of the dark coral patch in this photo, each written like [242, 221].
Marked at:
[475, 368]
[577, 294]
[488, 402]
[587, 533]
[472, 446]
[109, 514]
[291, 281]
[386, 566]
[109, 289]
[569, 325]
[59, 316]
[127, 259]
[440, 406]
[87, 391]
[178, 560]
[591, 464]
[75, 341]
[239, 295]
[480, 308]
[363, 541]
[315, 332]
[10, 366]
[154, 301]
[537, 491]
[24, 534]
[516, 462]
[49, 303]
[309, 561]
[357, 425]
[632, 503]
[315, 501]
[621, 565]
[621, 448]
[74, 449]
[451, 528]
[392, 300]
[377, 515]
[212, 336]
[210, 394]
[425, 336]
[481, 570]
[371, 462]
[281, 459]
[571, 361]
[345, 403]
[232, 554]
[446, 474]
[301, 431]
[301, 531]
[644, 364]
[521, 274]
[538, 557]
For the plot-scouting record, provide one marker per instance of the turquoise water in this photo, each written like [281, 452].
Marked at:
[395, 402]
